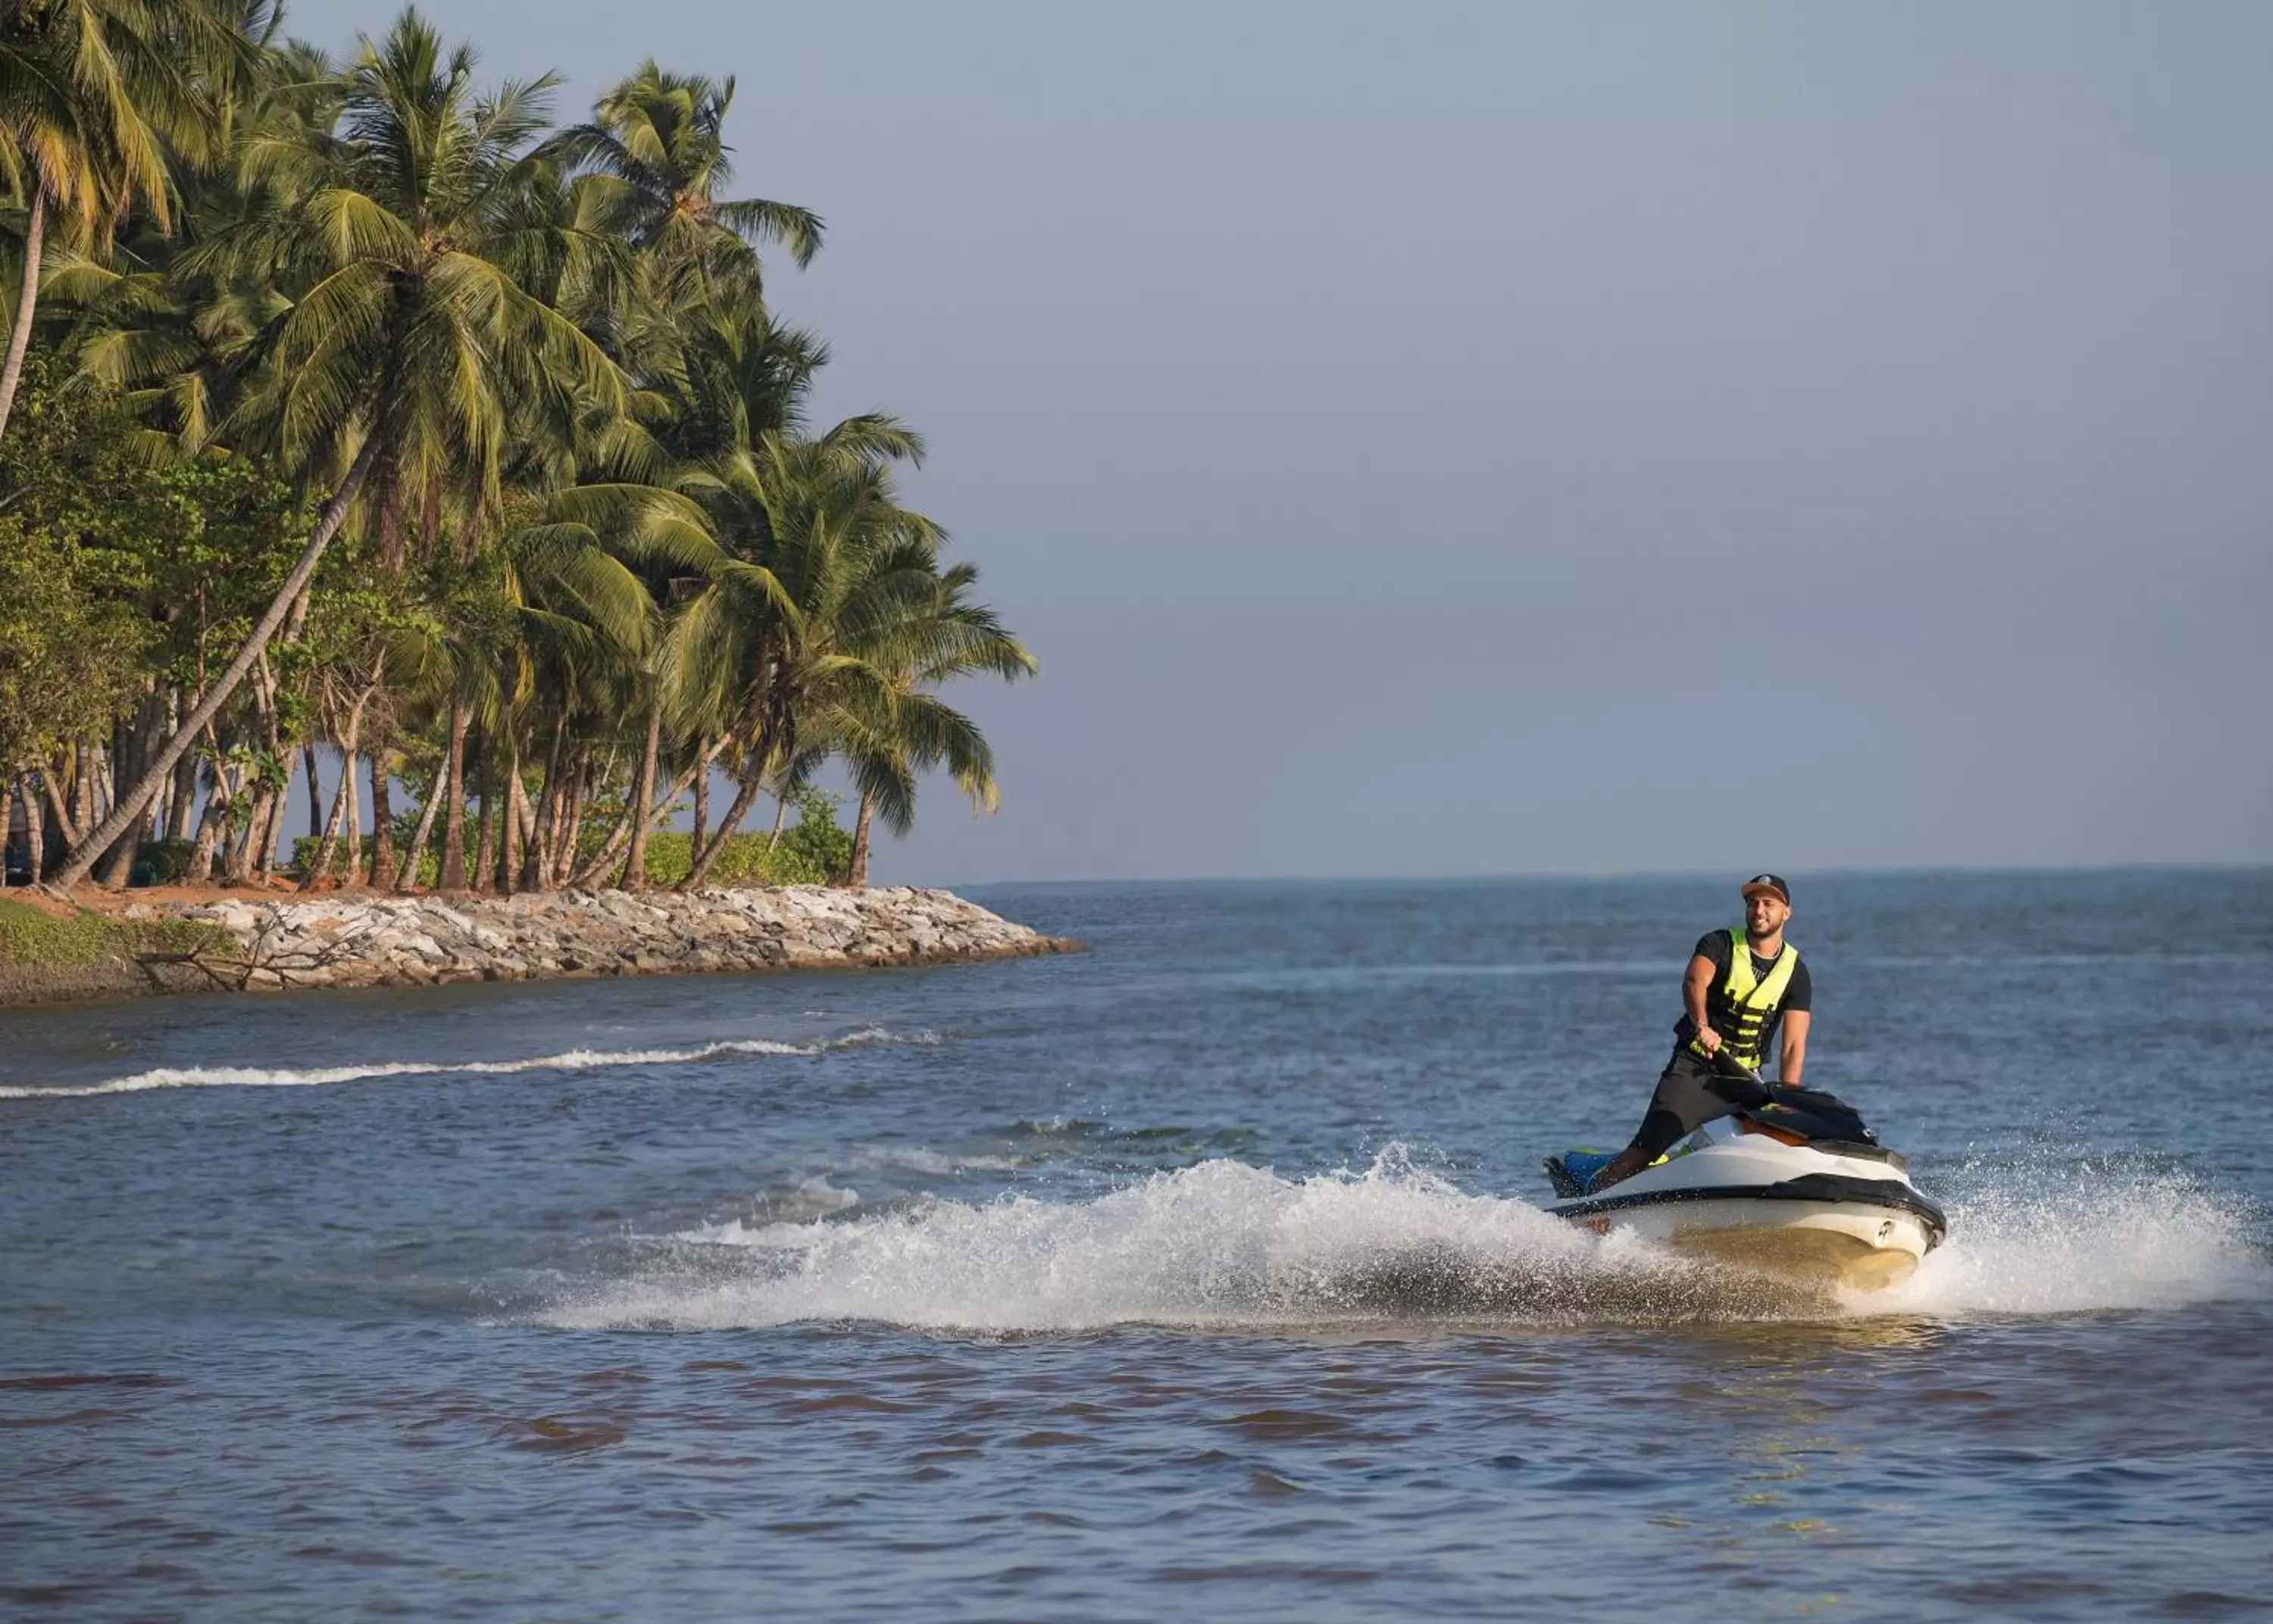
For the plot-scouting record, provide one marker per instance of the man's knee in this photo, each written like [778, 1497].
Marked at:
[1659, 1130]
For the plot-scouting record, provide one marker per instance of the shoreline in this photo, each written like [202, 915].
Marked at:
[251, 943]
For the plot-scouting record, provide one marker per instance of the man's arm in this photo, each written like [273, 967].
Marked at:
[1701, 971]
[1791, 1053]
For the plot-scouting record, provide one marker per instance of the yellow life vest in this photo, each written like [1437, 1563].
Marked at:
[1749, 1000]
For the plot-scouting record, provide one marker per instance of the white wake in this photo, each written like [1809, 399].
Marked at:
[570, 1060]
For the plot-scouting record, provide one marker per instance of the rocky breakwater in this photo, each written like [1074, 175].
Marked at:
[345, 941]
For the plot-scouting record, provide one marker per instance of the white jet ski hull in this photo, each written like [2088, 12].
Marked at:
[1844, 1243]
[1829, 1215]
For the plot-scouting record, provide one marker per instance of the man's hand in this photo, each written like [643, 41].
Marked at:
[1708, 1040]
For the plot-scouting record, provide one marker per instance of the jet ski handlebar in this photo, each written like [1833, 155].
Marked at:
[1789, 1107]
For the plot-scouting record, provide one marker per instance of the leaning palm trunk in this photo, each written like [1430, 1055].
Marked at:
[27, 299]
[567, 817]
[633, 816]
[243, 832]
[265, 796]
[316, 785]
[536, 841]
[486, 821]
[272, 834]
[512, 836]
[353, 789]
[382, 823]
[328, 847]
[858, 879]
[407, 875]
[213, 822]
[582, 877]
[58, 804]
[536, 844]
[271, 811]
[537, 856]
[185, 781]
[86, 809]
[185, 801]
[249, 864]
[102, 791]
[572, 832]
[554, 869]
[708, 859]
[11, 793]
[131, 745]
[452, 877]
[131, 804]
[701, 794]
[35, 821]
[643, 792]
[215, 826]
[252, 867]
[344, 803]
[634, 878]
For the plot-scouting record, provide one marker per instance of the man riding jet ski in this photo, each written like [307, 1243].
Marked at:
[1770, 1174]
[1789, 1181]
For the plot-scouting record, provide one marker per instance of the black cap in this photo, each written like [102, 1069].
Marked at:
[1768, 882]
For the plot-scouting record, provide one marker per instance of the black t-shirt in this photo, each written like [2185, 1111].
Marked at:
[1717, 946]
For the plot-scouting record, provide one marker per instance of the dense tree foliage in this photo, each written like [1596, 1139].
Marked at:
[355, 411]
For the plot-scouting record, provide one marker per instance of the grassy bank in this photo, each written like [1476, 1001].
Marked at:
[34, 939]
[46, 955]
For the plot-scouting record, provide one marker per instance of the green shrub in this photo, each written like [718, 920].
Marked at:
[815, 851]
[746, 861]
[816, 843]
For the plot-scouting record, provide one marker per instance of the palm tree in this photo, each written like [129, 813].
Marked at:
[583, 624]
[803, 526]
[654, 157]
[736, 376]
[412, 248]
[403, 243]
[664, 539]
[94, 95]
[881, 717]
[170, 342]
[829, 622]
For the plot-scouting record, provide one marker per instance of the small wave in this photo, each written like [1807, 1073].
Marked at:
[1228, 1244]
[571, 1060]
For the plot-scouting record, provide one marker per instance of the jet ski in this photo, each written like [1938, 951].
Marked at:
[1791, 1183]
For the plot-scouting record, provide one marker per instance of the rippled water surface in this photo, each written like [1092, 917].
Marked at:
[1201, 1275]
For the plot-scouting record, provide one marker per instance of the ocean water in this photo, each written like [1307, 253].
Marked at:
[1201, 1275]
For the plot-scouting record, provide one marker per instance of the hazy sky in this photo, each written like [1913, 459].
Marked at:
[1492, 439]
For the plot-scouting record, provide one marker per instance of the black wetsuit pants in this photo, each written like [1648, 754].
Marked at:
[1690, 1094]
